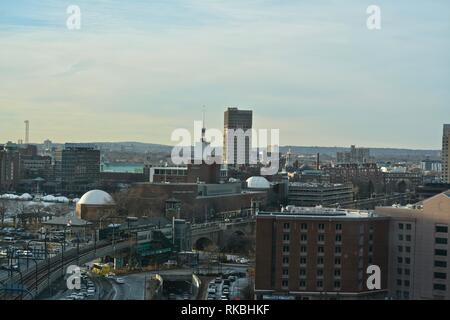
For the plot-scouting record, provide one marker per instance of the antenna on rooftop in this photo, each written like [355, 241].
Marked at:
[203, 125]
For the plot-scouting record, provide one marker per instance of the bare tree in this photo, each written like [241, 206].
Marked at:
[3, 209]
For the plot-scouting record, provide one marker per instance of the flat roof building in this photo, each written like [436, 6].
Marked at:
[419, 249]
[319, 253]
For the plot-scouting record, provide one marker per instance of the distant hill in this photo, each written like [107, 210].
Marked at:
[393, 153]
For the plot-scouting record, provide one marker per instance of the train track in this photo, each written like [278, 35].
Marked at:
[52, 269]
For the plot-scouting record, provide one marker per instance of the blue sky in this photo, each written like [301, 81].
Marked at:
[137, 70]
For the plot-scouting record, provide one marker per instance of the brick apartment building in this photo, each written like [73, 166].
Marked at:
[319, 253]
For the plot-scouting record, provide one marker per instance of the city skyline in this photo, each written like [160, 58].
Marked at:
[136, 72]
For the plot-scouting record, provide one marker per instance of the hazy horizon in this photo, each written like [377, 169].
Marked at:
[139, 70]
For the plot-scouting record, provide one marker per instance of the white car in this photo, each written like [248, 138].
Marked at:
[120, 281]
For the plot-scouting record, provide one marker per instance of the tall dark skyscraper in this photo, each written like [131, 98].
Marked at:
[235, 150]
[77, 168]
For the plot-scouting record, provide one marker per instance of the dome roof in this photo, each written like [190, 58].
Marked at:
[258, 183]
[96, 197]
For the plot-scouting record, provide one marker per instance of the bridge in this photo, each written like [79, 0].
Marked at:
[217, 233]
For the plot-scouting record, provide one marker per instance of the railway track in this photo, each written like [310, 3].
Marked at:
[53, 268]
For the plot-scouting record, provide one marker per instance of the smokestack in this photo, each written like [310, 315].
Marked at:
[27, 131]
[318, 162]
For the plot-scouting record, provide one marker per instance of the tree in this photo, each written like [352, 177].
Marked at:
[3, 209]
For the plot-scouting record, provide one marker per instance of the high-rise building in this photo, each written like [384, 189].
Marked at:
[319, 253]
[419, 249]
[355, 155]
[445, 155]
[9, 167]
[77, 168]
[237, 136]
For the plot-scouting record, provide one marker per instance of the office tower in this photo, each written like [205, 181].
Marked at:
[319, 253]
[77, 168]
[445, 151]
[237, 136]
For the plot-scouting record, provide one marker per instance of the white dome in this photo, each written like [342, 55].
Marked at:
[258, 183]
[96, 197]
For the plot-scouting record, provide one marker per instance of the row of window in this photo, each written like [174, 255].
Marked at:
[320, 237]
[304, 226]
[319, 284]
[320, 261]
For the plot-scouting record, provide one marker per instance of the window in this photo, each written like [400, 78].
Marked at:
[303, 226]
[319, 272]
[285, 260]
[285, 248]
[408, 260]
[399, 282]
[400, 249]
[399, 260]
[338, 249]
[321, 226]
[407, 272]
[441, 240]
[319, 284]
[370, 237]
[439, 286]
[337, 272]
[400, 237]
[285, 283]
[406, 283]
[440, 252]
[338, 226]
[286, 237]
[303, 260]
[405, 295]
[337, 261]
[320, 260]
[303, 272]
[400, 226]
[440, 264]
[303, 237]
[408, 237]
[285, 272]
[442, 229]
[320, 249]
[337, 284]
[408, 249]
[338, 238]
[399, 271]
[286, 226]
[302, 283]
[440, 275]
[303, 249]
[321, 238]
[408, 226]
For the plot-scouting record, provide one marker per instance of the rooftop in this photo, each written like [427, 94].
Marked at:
[318, 212]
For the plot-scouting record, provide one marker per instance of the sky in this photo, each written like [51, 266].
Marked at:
[137, 70]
